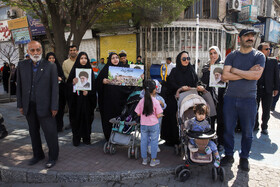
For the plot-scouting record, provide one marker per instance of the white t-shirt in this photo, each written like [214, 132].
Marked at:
[170, 67]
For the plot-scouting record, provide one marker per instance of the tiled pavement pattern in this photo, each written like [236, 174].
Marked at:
[87, 164]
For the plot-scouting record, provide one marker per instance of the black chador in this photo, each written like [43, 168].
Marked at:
[81, 107]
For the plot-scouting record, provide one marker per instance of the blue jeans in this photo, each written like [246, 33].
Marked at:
[149, 132]
[244, 109]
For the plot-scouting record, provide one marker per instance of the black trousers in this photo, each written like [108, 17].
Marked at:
[266, 100]
[49, 128]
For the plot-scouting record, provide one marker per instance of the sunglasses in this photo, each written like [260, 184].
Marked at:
[267, 49]
[186, 58]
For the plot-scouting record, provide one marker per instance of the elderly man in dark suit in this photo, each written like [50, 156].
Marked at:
[267, 87]
[37, 99]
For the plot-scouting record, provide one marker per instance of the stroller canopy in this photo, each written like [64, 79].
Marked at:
[190, 101]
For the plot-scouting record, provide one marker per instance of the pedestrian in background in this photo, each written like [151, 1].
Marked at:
[267, 87]
[37, 99]
[51, 57]
[242, 69]
[149, 110]
[6, 76]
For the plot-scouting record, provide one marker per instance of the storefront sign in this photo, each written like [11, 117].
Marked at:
[272, 31]
[21, 36]
[18, 23]
[5, 33]
[36, 27]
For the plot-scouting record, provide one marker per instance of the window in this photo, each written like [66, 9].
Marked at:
[205, 8]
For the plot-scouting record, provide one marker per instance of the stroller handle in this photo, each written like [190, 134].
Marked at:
[130, 123]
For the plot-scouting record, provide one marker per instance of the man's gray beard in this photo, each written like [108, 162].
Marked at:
[37, 58]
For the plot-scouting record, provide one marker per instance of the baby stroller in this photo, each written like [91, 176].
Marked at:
[194, 154]
[125, 128]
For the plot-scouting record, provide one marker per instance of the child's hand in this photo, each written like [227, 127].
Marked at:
[161, 103]
[160, 115]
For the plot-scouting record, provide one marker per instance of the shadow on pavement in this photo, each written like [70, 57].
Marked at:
[276, 114]
[262, 145]
[242, 178]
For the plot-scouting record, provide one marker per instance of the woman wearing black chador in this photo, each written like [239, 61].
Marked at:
[82, 102]
[181, 78]
[111, 98]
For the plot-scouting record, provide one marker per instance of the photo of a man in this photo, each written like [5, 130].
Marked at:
[216, 72]
[218, 75]
[83, 76]
[84, 79]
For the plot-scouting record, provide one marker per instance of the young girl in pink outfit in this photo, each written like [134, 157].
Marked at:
[149, 110]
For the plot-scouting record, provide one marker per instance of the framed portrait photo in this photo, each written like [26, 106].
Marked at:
[84, 79]
[216, 72]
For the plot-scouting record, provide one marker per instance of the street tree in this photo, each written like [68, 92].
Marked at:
[77, 16]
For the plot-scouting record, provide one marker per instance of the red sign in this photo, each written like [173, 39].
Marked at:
[5, 33]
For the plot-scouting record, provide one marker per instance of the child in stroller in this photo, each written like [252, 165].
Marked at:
[200, 124]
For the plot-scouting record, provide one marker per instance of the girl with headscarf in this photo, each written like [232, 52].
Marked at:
[82, 103]
[181, 78]
[217, 93]
[61, 80]
[111, 98]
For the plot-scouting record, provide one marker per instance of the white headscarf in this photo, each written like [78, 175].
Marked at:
[216, 49]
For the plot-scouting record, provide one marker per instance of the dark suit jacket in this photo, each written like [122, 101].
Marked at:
[46, 84]
[271, 75]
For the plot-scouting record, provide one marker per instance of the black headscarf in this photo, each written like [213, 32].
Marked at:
[58, 66]
[77, 64]
[179, 65]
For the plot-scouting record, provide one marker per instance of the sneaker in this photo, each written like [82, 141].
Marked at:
[145, 161]
[244, 164]
[154, 162]
[217, 163]
[227, 160]
[208, 150]
[149, 149]
[265, 132]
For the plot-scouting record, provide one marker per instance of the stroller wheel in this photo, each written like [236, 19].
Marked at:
[214, 174]
[112, 149]
[184, 175]
[222, 174]
[106, 148]
[178, 169]
[136, 153]
[129, 152]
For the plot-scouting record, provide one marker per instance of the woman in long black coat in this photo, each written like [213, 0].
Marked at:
[62, 100]
[83, 102]
[181, 78]
[111, 98]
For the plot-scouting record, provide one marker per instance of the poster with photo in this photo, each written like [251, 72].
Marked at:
[84, 79]
[136, 66]
[122, 76]
[216, 72]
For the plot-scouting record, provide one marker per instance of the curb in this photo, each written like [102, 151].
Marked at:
[14, 174]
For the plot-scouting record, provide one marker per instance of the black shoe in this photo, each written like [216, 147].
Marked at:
[76, 141]
[50, 163]
[264, 131]
[86, 141]
[227, 160]
[244, 164]
[3, 134]
[60, 130]
[35, 160]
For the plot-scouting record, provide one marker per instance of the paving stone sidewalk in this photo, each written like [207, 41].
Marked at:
[88, 163]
